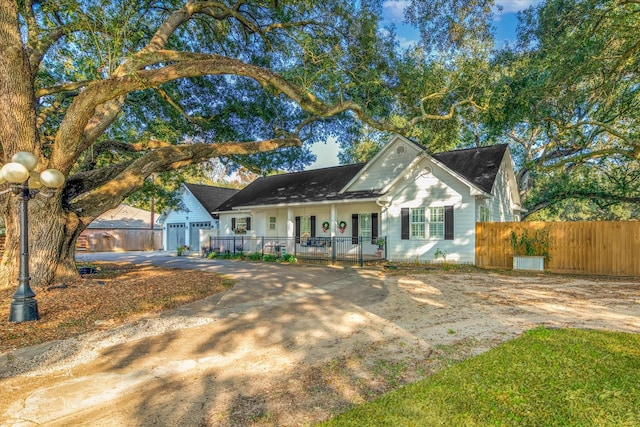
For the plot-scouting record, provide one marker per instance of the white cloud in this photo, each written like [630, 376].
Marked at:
[394, 9]
[512, 6]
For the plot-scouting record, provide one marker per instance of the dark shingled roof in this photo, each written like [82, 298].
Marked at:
[211, 197]
[478, 165]
[309, 186]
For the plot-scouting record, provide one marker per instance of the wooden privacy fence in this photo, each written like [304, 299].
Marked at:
[121, 239]
[115, 240]
[609, 248]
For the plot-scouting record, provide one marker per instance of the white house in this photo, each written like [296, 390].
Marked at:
[422, 204]
[181, 226]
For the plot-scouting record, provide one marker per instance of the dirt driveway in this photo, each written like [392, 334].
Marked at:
[290, 345]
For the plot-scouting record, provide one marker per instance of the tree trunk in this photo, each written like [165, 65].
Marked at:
[52, 236]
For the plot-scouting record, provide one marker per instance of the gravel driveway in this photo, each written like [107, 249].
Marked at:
[291, 345]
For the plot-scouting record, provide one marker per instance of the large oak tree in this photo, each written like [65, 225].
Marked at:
[568, 100]
[111, 92]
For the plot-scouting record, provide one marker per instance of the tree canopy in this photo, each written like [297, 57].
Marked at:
[111, 92]
[568, 100]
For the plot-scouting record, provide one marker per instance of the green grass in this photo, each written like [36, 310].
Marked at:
[562, 377]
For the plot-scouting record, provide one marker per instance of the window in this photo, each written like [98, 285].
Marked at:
[241, 225]
[484, 214]
[417, 224]
[431, 223]
[364, 226]
[436, 222]
[272, 223]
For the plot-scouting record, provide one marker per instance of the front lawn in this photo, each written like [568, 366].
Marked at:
[563, 377]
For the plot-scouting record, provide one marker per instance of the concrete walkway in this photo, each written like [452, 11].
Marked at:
[166, 370]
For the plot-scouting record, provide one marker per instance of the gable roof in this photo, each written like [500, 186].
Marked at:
[299, 187]
[479, 165]
[210, 197]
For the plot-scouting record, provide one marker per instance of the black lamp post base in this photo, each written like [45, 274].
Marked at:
[24, 310]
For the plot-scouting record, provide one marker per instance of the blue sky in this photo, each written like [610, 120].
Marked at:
[505, 22]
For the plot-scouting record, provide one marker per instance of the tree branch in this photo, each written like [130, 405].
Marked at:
[126, 178]
[64, 87]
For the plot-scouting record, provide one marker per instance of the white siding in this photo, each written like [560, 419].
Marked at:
[432, 186]
[386, 166]
[193, 212]
[501, 204]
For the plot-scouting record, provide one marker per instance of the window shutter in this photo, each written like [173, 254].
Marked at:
[297, 229]
[448, 223]
[374, 228]
[233, 224]
[404, 218]
[313, 226]
[354, 228]
[248, 223]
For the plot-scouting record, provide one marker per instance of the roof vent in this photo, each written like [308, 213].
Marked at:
[400, 150]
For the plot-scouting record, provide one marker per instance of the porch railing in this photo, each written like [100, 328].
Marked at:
[322, 249]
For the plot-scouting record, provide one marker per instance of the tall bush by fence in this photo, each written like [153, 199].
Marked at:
[596, 247]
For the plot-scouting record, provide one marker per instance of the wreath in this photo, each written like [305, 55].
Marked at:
[342, 226]
[325, 226]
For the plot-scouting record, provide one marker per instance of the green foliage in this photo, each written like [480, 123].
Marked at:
[254, 256]
[269, 258]
[567, 99]
[289, 258]
[212, 255]
[546, 377]
[536, 244]
[440, 253]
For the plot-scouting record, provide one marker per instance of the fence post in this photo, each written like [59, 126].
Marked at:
[360, 255]
[333, 248]
[234, 245]
[262, 248]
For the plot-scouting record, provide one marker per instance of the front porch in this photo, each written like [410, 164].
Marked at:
[326, 249]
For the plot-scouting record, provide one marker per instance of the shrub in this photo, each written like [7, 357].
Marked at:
[289, 258]
[269, 258]
[212, 255]
[530, 245]
[254, 256]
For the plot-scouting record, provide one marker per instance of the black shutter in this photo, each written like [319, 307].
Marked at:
[313, 226]
[233, 224]
[374, 228]
[404, 217]
[354, 229]
[297, 229]
[248, 223]
[448, 223]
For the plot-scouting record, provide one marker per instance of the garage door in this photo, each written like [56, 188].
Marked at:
[175, 236]
[194, 233]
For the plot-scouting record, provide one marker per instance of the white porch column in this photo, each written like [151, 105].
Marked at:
[334, 220]
[291, 230]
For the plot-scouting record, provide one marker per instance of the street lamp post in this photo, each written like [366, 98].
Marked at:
[26, 184]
